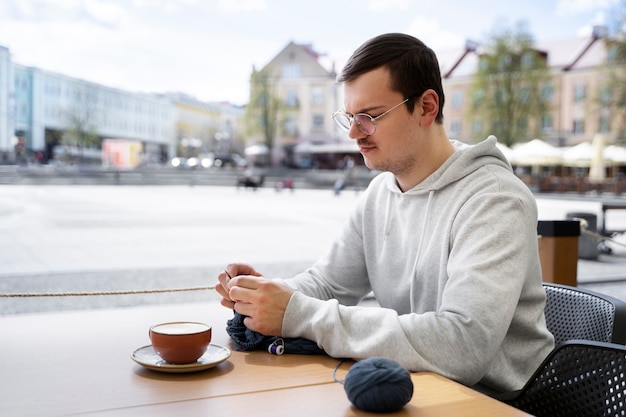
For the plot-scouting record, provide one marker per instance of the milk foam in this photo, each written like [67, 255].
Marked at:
[180, 328]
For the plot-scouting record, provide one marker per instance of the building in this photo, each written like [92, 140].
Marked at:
[51, 109]
[40, 110]
[203, 127]
[50, 116]
[578, 69]
[308, 94]
[8, 142]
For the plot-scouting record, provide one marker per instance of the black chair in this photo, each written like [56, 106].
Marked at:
[579, 378]
[576, 313]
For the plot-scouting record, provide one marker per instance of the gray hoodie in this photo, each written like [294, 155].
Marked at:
[454, 265]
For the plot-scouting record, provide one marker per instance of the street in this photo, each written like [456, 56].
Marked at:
[110, 238]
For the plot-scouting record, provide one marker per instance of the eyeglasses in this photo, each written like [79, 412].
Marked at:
[364, 122]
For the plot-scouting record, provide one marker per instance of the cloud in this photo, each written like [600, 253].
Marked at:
[44, 12]
[241, 5]
[41, 10]
[569, 7]
[105, 13]
[430, 32]
[383, 5]
[207, 47]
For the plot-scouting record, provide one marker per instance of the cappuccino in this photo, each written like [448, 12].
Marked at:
[180, 328]
[180, 342]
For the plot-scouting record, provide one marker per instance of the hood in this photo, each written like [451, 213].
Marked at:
[465, 160]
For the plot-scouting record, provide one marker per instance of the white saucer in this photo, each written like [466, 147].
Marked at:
[214, 355]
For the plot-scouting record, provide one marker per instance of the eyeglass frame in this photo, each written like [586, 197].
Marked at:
[351, 118]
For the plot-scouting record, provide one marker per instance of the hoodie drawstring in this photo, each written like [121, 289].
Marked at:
[388, 216]
[419, 246]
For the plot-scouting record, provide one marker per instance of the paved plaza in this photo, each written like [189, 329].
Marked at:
[126, 238]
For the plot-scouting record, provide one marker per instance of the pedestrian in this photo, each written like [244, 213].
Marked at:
[347, 177]
[445, 238]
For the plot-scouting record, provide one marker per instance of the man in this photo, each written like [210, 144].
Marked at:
[445, 238]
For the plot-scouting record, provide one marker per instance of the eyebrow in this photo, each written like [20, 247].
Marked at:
[366, 110]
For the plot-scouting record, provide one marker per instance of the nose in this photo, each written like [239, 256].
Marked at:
[355, 132]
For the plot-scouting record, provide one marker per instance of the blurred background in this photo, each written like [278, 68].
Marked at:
[147, 144]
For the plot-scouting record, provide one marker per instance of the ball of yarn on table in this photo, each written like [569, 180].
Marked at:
[378, 384]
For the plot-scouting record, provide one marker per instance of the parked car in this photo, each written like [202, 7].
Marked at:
[224, 160]
[188, 163]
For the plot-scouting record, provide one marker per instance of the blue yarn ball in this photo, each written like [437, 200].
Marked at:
[378, 384]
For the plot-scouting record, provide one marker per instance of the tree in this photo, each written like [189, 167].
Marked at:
[81, 122]
[508, 97]
[262, 112]
[612, 95]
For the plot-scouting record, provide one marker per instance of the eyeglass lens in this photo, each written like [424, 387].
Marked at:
[363, 122]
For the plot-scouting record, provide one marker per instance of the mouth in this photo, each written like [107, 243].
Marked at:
[365, 147]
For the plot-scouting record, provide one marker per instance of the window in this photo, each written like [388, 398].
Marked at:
[317, 96]
[456, 127]
[505, 62]
[547, 92]
[501, 96]
[547, 123]
[604, 124]
[477, 127]
[605, 94]
[478, 98]
[52, 89]
[528, 59]
[291, 98]
[522, 123]
[24, 111]
[291, 125]
[457, 99]
[318, 122]
[21, 83]
[524, 94]
[291, 71]
[579, 93]
[578, 126]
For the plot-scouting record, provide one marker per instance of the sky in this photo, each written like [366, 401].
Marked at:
[208, 48]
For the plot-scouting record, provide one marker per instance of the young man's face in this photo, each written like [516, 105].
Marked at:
[394, 144]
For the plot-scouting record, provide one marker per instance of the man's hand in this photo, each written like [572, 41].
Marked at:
[263, 301]
[232, 270]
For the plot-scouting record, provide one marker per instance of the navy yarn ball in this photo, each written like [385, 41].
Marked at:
[378, 384]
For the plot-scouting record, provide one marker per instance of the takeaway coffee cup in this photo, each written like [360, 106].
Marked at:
[180, 342]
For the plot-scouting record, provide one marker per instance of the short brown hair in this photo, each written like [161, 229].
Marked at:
[413, 66]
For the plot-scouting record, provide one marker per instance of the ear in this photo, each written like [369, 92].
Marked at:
[429, 102]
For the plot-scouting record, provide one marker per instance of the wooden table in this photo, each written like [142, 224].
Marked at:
[78, 363]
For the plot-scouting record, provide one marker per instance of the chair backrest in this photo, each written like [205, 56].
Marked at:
[576, 313]
[579, 378]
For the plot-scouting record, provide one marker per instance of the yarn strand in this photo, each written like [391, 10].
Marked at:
[96, 293]
[583, 230]
[335, 372]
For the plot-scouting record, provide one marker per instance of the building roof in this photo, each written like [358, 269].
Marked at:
[301, 53]
[565, 54]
